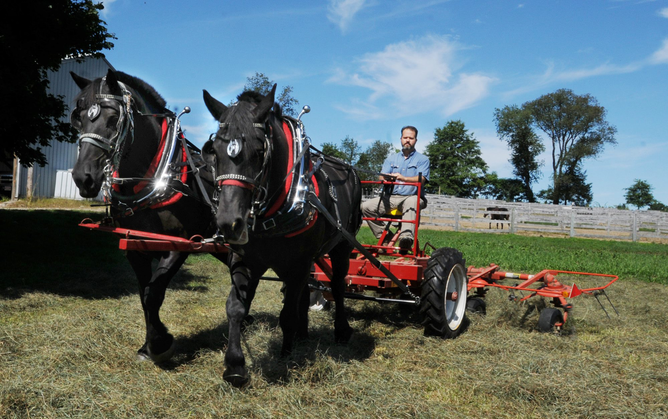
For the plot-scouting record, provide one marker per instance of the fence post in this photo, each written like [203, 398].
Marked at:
[572, 223]
[512, 221]
[456, 218]
[634, 235]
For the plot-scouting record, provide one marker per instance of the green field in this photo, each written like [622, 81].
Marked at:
[71, 321]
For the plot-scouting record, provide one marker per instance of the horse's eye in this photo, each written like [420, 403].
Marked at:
[112, 121]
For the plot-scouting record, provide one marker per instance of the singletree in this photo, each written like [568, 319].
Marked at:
[513, 124]
[578, 130]
[456, 165]
[35, 36]
[639, 194]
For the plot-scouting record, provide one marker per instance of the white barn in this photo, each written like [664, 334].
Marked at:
[54, 180]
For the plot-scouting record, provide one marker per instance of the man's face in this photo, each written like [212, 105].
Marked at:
[408, 139]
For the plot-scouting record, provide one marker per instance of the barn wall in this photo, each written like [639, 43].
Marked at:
[61, 156]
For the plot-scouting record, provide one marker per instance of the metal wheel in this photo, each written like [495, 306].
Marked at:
[549, 317]
[443, 294]
[476, 305]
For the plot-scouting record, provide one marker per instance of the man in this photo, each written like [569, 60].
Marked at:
[404, 166]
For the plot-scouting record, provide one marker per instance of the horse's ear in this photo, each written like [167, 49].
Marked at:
[80, 81]
[112, 81]
[216, 108]
[265, 105]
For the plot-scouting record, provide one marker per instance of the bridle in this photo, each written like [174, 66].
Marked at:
[124, 126]
[258, 184]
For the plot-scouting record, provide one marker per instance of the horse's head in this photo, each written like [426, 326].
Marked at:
[103, 118]
[240, 155]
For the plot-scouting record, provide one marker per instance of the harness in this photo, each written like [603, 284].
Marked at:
[164, 182]
[285, 212]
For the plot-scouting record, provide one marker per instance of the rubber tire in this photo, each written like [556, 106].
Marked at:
[476, 305]
[548, 318]
[445, 272]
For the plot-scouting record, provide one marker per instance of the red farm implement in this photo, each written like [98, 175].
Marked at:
[439, 284]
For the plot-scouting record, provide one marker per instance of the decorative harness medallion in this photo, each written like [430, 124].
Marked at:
[234, 148]
[94, 112]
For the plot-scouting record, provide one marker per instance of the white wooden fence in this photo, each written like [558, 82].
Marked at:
[461, 214]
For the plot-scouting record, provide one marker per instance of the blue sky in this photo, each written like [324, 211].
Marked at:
[369, 67]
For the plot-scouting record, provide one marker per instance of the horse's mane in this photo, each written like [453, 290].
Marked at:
[254, 97]
[152, 98]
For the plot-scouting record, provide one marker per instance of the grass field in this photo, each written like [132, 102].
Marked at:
[71, 321]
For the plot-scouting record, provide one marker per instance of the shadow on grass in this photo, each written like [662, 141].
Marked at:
[267, 359]
[46, 251]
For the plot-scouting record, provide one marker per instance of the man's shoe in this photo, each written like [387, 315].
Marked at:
[405, 244]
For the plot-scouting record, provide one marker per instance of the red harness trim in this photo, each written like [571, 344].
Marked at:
[286, 189]
[238, 183]
[156, 160]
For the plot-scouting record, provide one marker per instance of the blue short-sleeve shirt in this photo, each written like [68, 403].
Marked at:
[413, 165]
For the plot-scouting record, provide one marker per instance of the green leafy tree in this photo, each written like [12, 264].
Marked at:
[503, 189]
[639, 194]
[351, 150]
[456, 165]
[34, 38]
[333, 150]
[572, 186]
[371, 160]
[514, 125]
[261, 84]
[578, 130]
[658, 206]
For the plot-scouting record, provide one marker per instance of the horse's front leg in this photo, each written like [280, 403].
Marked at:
[294, 315]
[159, 345]
[244, 284]
[340, 257]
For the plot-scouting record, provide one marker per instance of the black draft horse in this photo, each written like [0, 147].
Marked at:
[121, 121]
[252, 157]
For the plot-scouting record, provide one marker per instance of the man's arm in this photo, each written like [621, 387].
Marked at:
[403, 178]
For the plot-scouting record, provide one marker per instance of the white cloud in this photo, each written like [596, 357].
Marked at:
[661, 55]
[418, 76]
[342, 12]
[601, 70]
[663, 12]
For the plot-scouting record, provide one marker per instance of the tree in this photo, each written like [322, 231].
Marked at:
[34, 38]
[572, 188]
[332, 149]
[350, 149]
[578, 130]
[456, 165]
[261, 84]
[503, 189]
[658, 206]
[513, 124]
[371, 160]
[639, 194]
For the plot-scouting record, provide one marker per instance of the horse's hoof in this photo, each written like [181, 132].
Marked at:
[343, 336]
[142, 354]
[163, 357]
[237, 380]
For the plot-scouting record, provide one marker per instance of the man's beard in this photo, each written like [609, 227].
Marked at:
[408, 147]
